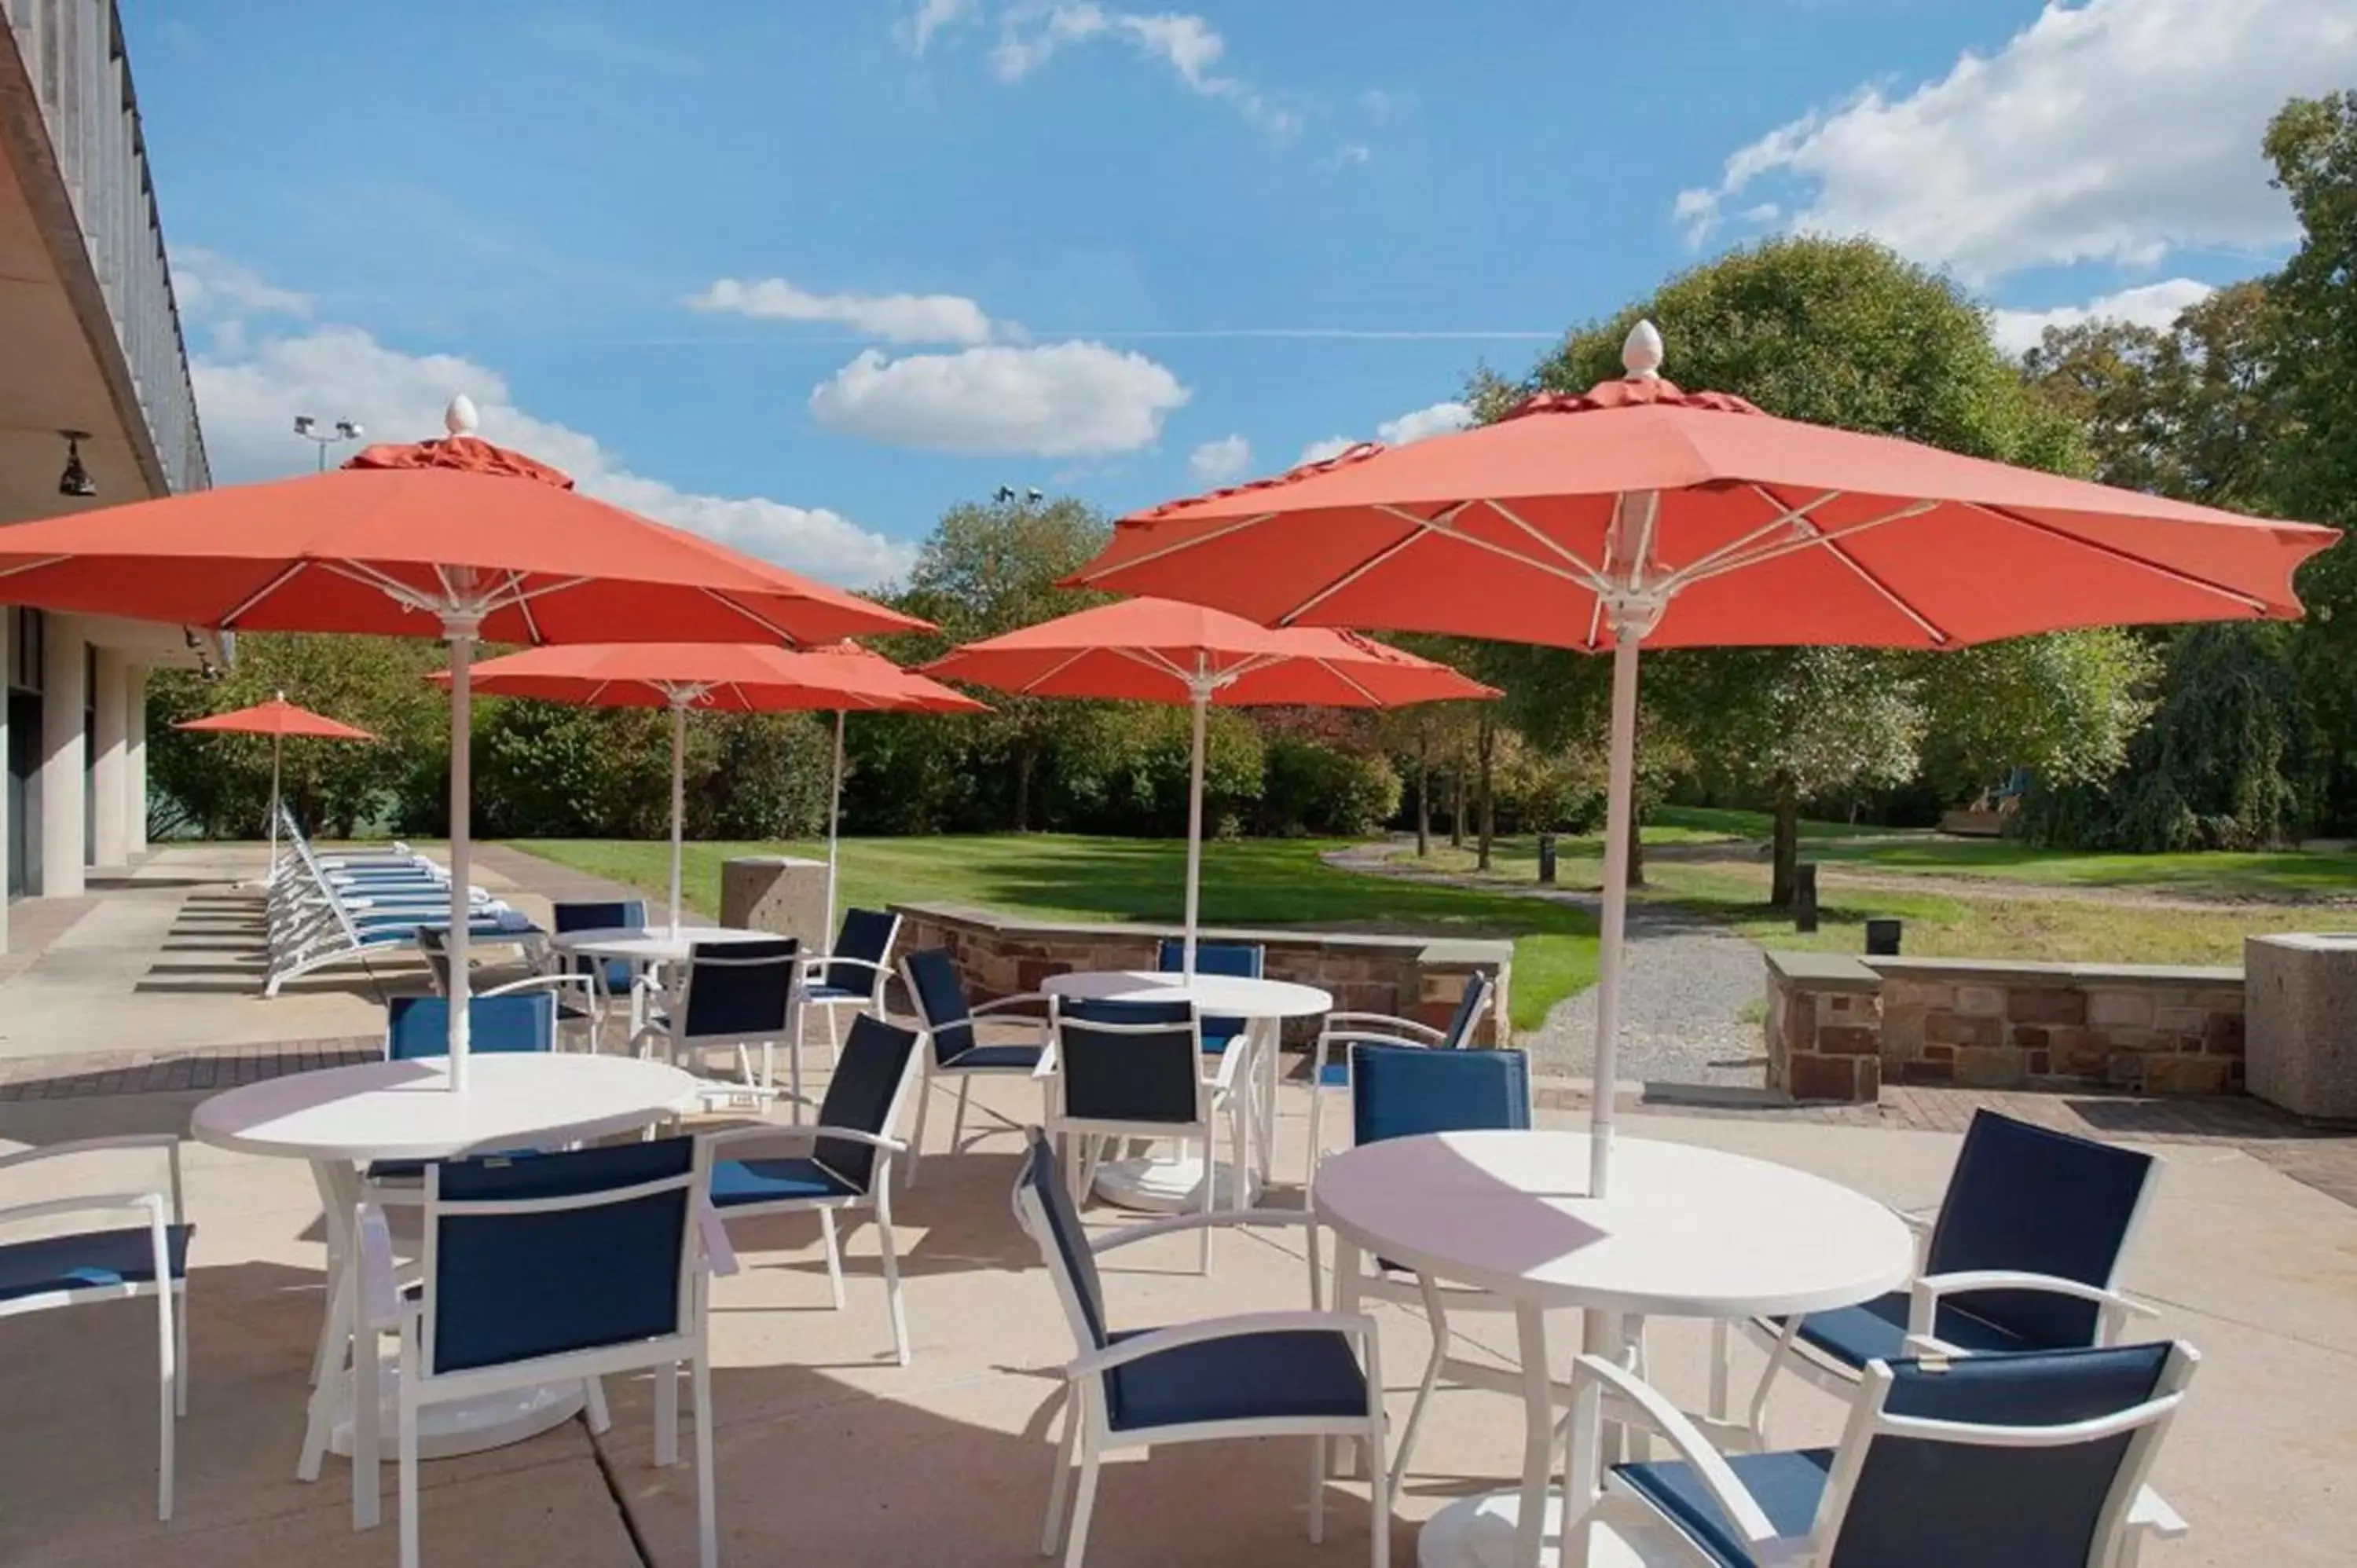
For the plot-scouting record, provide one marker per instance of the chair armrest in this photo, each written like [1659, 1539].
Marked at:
[806, 1135]
[1356, 1324]
[1223, 1076]
[86, 1203]
[821, 964]
[1727, 1490]
[1177, 1222]
[1042, 997]
[713, 1255]
[91, 1146]
[1379, 1026]
[1923, 1296]
[380, 1279]
[582, 982]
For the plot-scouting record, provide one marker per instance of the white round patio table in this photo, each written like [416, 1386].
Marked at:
[1172, 1183]
[645, 947]
[1685, 1232]
[342, 1119]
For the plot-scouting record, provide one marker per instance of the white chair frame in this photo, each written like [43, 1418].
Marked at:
[680, 1049]
[559, 980]
[1346, 1029]
[1214, 1094]
[704, 1251]
[2126, 1521]
[1089, 1437]
[932, 1068]
[815, 970]
[878, 1199]
[1787, 1352]
[161, 1207]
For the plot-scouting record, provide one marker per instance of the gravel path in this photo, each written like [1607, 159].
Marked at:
[1685, 986]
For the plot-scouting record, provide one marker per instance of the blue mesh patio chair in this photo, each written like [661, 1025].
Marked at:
[1406, 1092]
[1329, 1063]
[953, 1046]
[148, 1255]
[852, 976]
[2020, 1459]
[614, 976]
[2024, 1254]
[1241, 961]
[1263, 1374]
[575, 992]
[570, 1266]
[843, 1164]
[732, 997]
[1136, 1069]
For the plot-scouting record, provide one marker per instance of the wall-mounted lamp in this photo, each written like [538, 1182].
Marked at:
[75, 480]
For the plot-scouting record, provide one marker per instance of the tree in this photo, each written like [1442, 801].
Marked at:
[991, 568]
[1843, 333]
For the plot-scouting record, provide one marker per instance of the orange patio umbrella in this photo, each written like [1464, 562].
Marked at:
[1158, 651]
[743, 678]
[454, 539]
[278, 719]
[1636, 514]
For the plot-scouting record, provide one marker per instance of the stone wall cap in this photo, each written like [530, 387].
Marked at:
[772, 859]
[2307, 941]
[1823, 970]
[1466, 950]
[2028, 972]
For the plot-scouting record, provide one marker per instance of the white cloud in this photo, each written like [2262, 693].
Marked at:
[895, 317]
[1416, 424]
[930, 17]
[2112, 131]
[246, 396]
[1437, 419]
[1350, 154]
[1222, 461]
[215, 288]
[1056, 400]
[1032, 32]
[2153, 304]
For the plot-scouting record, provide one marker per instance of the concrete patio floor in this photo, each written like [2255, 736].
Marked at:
[829, 1453]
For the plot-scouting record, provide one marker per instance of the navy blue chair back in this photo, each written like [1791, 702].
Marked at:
[512, 1287]
[1399, 1092]
[740, 990]
[626, 913]
[867, 934]
[867, 1083]
[1066, 1243]
[418, 1026]
[1467, 1020]
[2024, 1197]
[1242, 960]
[1129, 1073]
[941, 1002]
[1931, 1504]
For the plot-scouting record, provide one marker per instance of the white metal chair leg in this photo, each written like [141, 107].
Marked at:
[1211, 1193]
[708, 1506]
[834, 1037]
[593, 1403]
[1317, 1491]
[834, 1255]
[1061, 1485]
[167, 1385]
[667, 1415]
[180, 1365]
[1379, 1485]
[957, 1127]
[924, 1104]
[406, 1444]
[1435, 1316]
[892, 1302]
[1084, 1502]
[1722, 1350]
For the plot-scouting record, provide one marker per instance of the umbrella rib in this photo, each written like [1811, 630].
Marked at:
[1339, 674]
[1176, 545]
[1898, 601]
[2256, 606]
[531, 623]
[34, 566]
[1033, 685]
[1686, 577]
[1152, 660]
[368, 576]
[1502, 510]
[267, 589]
[781, 633]
[1786, 516]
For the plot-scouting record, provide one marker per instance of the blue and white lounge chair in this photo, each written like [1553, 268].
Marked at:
[2032, 1459]
[1264, 1374]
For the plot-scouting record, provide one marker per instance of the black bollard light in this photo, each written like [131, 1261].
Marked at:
[1804, 895]
[1882, 935]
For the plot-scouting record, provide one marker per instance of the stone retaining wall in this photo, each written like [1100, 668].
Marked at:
[1407, 976]
[1839, 1027]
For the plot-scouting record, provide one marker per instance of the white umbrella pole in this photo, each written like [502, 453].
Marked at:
[1619, 808]
[461, 633]
[678, 798]
[834, 823]
[272, 875]
[1203, 695]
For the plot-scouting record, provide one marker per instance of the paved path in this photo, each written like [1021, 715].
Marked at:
[1685, 987]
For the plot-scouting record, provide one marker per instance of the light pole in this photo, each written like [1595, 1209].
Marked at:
[309, 429]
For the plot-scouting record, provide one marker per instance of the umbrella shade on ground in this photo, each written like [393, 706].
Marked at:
[1154, 650]
[739, 678]
[1638, 515]
[454, 539]
[279, 719]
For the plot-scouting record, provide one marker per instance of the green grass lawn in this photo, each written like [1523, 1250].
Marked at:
[1060, 876]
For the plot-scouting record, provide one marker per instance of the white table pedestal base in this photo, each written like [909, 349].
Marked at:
[1166, 1184]
[1478, 1532]
[476, 1426]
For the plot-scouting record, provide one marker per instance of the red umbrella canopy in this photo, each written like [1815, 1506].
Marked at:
[718, 677]
[400, 540]
[277, 717]
[1157, 650]
[1710, 522]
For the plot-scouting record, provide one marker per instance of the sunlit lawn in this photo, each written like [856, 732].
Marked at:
[1059, 876]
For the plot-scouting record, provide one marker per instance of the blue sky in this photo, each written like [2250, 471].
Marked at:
[803, 275]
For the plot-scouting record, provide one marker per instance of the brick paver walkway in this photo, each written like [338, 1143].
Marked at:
[84, 1074]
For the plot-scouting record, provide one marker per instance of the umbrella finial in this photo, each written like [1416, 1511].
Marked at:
[459, 418]
[1641, 352]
